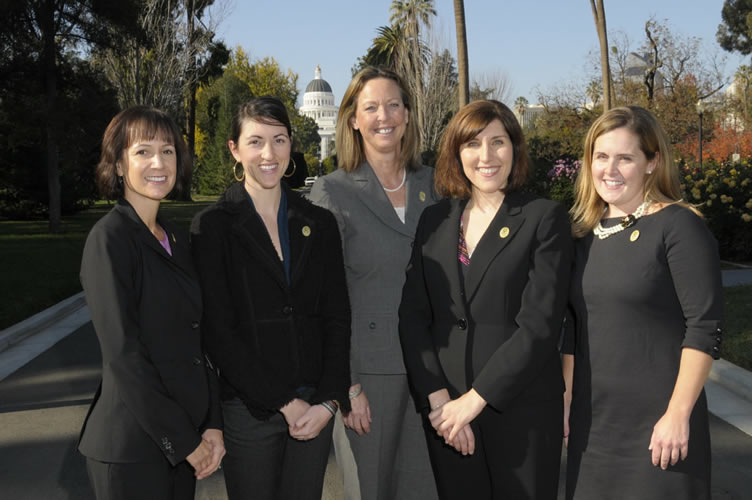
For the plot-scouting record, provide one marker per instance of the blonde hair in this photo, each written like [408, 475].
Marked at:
[662, 186]
[349, 142]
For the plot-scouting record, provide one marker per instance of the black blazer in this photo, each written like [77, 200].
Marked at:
[267, 337]
[500, 334]
[157, 393]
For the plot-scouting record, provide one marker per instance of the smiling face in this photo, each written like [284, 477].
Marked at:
[148, 169]
[487, 159]
[619, 168]
[380, 116]
[264, 151]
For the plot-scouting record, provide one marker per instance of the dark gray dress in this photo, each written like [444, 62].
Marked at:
[637, 299]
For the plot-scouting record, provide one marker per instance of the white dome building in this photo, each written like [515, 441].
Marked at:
[318, 103]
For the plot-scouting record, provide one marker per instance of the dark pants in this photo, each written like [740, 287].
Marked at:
[264, 462]
[145, 481]
[517, 456]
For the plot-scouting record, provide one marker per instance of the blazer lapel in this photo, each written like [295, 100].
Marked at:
[418, 195]
[445, 248]
[302, 230]
[498, 235]
[252, 235]
[372, 194]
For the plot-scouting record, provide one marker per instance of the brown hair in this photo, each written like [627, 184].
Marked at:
[470, 121]
[349, 142]
[662, 186]
[266, 109]
[131, 125]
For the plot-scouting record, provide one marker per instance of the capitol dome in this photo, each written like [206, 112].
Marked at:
[318, 103]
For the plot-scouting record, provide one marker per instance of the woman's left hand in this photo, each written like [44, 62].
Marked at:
[452, 416]
[310, 424]
[215, 438]
[670, 440]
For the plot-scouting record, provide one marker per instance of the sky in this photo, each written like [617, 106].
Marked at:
[540, 45]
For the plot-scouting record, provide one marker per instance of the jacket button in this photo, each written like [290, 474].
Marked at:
[194, 324]
[287, 310]
[715, 348]
[196, 361]
[718, 339]
[372, 325]
[462, 324]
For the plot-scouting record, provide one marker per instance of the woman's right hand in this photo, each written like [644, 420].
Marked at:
[359, 418]
[293, 410]
[201, 458]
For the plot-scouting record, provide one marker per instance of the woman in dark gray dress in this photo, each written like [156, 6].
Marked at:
[646, 303]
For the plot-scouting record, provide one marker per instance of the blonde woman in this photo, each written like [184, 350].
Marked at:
[646, 298]
[377, 196]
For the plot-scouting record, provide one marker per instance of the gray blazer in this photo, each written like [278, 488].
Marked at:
[377, 248]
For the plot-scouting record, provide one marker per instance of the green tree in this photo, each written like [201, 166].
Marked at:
[735, 32]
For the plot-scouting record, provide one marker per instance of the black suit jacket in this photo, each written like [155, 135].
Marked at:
[269, 337]
[157, 393]
[500, 334]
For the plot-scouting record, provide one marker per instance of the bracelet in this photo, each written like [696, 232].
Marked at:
[355, 392]
[329, 406]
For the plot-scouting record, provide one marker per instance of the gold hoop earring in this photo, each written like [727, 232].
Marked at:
[294, 166]
[235, 172]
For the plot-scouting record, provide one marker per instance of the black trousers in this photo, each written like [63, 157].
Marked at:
[264, 463]
[143, 481]
[517, 456]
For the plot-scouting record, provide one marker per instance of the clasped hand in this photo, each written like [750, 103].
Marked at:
[451, 418]
[205, 459]
[305, 421]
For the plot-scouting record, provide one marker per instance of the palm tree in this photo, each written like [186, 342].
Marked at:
[462, 62]
[387, 47]
[599, 15]
[409, 16]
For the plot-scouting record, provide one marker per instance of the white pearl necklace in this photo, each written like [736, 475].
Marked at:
[394, 190]
[626, 221]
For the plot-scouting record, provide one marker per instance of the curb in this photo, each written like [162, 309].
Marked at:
[35, 324]
[733, 378]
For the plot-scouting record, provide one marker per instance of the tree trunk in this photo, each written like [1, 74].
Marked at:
[47, 26]
[462, 62]
[190, 122]
[599, 15]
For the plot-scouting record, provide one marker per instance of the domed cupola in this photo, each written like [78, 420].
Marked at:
[318, 103]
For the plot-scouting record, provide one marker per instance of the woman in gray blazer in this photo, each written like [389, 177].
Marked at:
[377, 197]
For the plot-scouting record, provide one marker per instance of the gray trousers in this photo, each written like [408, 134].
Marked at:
[264, 463]
[392, 460]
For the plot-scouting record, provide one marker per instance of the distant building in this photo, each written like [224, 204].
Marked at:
[528, 115]
[637, 65]
[318, 103]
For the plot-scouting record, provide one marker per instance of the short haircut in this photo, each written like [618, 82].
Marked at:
[139, 123]
[267, 109]
[349, 142]
[470, 121]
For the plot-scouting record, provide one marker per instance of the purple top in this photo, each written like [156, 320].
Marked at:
[165, 242]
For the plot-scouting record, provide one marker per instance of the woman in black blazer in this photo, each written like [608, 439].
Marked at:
[154, 425]
[481, 313]
[276, 315]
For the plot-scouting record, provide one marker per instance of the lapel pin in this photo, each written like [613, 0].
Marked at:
[173, 238]
[422, 196]
[306, 231]
[635, 234]
[504, 232]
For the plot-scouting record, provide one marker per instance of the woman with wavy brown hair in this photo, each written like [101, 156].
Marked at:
[481, 315]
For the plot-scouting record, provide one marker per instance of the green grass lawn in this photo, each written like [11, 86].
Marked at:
[40, 269]
[737, 333]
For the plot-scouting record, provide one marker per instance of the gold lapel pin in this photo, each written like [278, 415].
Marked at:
[422, 196]
[504, 232]
[635, 234]
[306, 231]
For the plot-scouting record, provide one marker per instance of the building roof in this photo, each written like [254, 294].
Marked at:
[318, 85]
